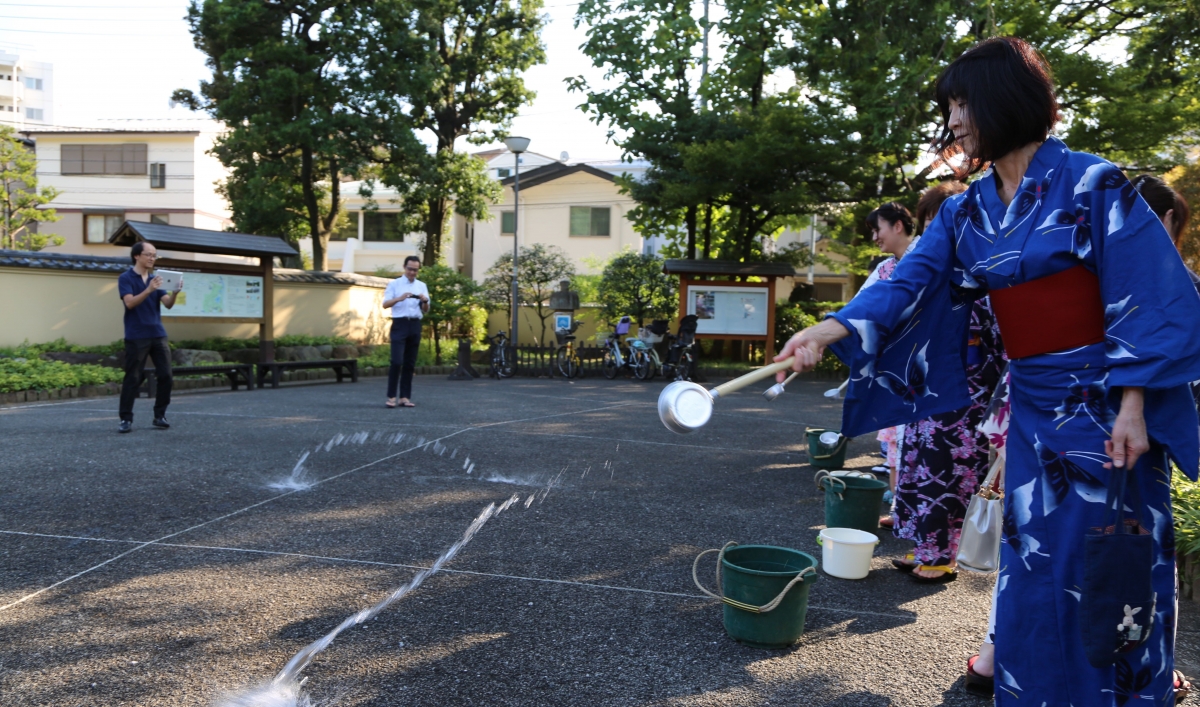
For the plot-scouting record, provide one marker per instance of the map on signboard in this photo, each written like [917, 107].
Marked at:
[729, 310]
[213, 295]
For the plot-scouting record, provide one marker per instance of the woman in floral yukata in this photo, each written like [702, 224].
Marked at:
[1097, 313]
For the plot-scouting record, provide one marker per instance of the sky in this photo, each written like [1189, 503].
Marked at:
[123, 58]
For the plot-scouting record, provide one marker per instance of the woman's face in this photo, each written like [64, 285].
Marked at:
[891, 238]
[960, 125]
[1168, 222]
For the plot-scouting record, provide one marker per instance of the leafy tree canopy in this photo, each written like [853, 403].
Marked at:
[634, 284]
[541, 267]
[21, 201]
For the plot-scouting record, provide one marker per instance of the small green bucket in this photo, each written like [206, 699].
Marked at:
[852, 502]
[825, 456]
[765, 592]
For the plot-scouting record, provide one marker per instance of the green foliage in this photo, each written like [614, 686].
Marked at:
[540, 269]
[789, 319]
[1185, 179]
[386, 271]
[588, 287]
[306, 340]
[381, 357]
[21, 201]
[453, 297]
[35, 374]
[1185, 499]
[634, 284]
[226, 343]
[28, 350]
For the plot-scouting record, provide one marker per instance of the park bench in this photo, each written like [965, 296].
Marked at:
[237, 373]
[273, 370]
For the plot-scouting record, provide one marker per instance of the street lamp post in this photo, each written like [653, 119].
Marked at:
[516, 145]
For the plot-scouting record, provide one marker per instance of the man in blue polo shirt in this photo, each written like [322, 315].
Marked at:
[144, 333]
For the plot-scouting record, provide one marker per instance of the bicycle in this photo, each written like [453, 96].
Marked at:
[681, 359]
[567, 358]
[503, 357]
[646, 339]
[614, 360]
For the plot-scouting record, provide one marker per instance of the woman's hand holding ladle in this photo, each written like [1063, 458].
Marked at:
[808, 345]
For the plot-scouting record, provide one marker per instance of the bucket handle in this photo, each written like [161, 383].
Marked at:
[769, 606]
[822, 476]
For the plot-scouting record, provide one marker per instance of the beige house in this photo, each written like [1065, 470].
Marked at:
[107, 176]
[578, 208]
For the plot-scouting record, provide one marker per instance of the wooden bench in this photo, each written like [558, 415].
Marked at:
[237, 373]
[273, 370]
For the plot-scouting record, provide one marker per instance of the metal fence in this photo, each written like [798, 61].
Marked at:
[542, 361]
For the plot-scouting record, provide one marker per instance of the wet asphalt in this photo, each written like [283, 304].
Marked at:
[161, 567]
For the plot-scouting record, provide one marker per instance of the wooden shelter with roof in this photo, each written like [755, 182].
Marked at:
[247, 297]
[729, 308]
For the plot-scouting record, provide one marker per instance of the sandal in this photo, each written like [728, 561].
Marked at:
[948, 574]
[887, 522]
[407, 404]
[1181, 686]
[906, 565]
[976, 684]
[391, 403]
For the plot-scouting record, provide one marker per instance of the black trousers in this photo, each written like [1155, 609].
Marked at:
[406, 342]
[136, 351]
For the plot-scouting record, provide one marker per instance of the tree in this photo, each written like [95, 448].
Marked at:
[474, 51]
[285, 80]
[634, 284]
[541, 268]
[648, 48]
[452, 297]
[1185, 179]
[20, 198]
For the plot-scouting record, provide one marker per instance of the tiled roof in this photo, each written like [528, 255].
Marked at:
[99, 263]
[198, 240]
[63, 261]
[557, 170]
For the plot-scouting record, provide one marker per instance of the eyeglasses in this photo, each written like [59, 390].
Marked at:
[148, 255]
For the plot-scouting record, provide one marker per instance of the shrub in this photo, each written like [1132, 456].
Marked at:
[1185, 497]
[791, 318]
[28, 350]
[18, 374]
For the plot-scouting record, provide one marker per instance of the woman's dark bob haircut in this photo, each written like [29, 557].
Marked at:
[1010, 99]
[891, 212]
[1161, 198]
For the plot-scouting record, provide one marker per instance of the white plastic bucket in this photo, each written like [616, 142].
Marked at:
[846, 552]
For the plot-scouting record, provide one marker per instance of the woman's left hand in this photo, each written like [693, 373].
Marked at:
[1129, 439]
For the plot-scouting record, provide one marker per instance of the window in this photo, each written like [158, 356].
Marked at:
[508, 223]
[103, 159]
[383, 226]
[503, 173]
[34, 114]
[158, 175]
[98, 227]
[588, 221]
[347, 229]
[163, 219]
[35, 84]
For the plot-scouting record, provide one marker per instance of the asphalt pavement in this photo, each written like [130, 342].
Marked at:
[172, 568]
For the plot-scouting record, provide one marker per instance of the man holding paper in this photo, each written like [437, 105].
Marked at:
[144, 333]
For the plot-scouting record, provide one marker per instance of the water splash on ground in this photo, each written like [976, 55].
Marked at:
[285, 689]
[298, 480]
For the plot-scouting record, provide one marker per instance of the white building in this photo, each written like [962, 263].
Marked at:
[26, 91]
[136, 172]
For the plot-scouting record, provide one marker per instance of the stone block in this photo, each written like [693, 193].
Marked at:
[308, 353]
[344, 352]
[326, 350]
[366, 350]
[194, 357]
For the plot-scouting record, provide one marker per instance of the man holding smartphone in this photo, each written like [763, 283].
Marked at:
[408, 299]
[144, 333]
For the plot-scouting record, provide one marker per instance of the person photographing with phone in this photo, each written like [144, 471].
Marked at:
[145, 336]
[408, 298]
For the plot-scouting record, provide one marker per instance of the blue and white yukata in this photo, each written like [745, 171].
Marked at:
[907, 354]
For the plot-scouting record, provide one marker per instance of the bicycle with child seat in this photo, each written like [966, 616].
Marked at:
[681, 358]
[570, 365]
[503, 357]
[634, 358]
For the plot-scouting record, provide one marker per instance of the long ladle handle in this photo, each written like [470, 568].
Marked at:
[752, 377]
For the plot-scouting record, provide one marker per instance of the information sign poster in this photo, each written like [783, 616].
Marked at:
[728, 310]
[214, 295]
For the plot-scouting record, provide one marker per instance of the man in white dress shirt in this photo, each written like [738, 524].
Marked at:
[408, 299]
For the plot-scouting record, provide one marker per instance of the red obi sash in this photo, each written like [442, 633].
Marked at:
[1052, 313]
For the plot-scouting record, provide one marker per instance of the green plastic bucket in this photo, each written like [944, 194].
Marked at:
[753, 577]
[852, 502]
[825, 456]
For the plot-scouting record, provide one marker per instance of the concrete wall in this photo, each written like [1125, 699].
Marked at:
[83, 308]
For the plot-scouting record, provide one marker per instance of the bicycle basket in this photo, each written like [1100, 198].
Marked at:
[647, 335]
[563, 337]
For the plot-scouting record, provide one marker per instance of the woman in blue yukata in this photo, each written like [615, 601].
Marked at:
[1098, 317]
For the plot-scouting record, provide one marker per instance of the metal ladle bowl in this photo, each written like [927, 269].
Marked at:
[685, 407]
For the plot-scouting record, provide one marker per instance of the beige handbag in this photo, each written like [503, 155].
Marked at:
[979, 541]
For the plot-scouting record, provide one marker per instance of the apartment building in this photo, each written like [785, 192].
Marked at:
[136, 171]
[26, 91]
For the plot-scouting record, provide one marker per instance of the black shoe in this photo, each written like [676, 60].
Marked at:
[161, 423]
[125, 426]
